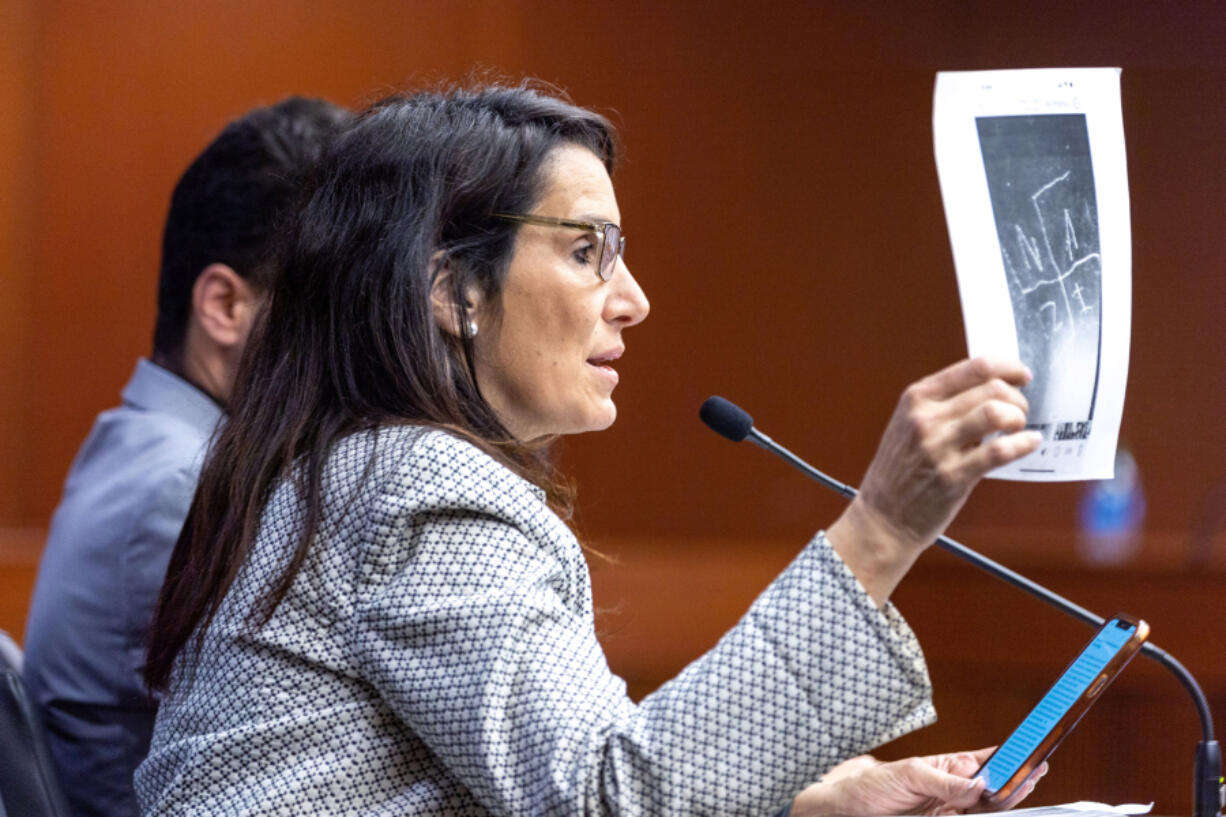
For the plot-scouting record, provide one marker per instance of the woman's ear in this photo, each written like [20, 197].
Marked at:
[457, 316]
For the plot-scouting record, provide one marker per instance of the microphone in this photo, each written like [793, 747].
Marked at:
[731, 421]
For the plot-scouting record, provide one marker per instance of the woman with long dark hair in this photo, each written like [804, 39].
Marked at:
[376, 606]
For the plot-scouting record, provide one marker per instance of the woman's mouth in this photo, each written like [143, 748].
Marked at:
[601, 363]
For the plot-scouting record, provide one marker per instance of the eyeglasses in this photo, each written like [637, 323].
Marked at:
[612, 242]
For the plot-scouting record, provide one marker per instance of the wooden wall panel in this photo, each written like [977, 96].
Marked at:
[780, 200]
[19, 551]
[18, 36]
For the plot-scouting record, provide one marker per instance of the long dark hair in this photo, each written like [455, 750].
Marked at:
[348, 340]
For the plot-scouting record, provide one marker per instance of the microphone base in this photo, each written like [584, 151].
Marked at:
[1209, 794]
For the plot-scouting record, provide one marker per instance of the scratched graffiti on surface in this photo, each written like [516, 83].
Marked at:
[1041, 183]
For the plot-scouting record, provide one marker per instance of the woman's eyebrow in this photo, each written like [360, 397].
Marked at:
[595, 219]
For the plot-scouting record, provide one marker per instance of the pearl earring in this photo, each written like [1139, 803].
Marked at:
[472, 329]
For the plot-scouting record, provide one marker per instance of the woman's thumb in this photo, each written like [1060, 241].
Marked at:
[954, 790]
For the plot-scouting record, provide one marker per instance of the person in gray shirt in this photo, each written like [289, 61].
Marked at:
[132, 482]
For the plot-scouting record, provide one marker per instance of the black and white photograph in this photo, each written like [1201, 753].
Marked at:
[1034, 179]
[1041, 182]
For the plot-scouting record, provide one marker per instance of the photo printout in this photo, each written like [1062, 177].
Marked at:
[1033, 177]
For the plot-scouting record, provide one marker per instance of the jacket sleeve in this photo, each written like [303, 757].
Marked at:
[474, 624]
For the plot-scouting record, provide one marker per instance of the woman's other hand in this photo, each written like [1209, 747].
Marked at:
[937, 784]
[947, 431]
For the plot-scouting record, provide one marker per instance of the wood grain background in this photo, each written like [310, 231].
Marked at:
[783, 215]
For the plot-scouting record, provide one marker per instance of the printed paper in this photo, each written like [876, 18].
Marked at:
[1035, 186]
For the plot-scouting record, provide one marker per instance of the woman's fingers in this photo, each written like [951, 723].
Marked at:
[999, 451]
[991, 408]
[980, 756]
[1027, 788]
[933, 450]
[941, 790]
[964, 764]
[994, 392]
[966, 374]
[968, 431]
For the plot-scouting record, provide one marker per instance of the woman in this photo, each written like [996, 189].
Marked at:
[375, 606]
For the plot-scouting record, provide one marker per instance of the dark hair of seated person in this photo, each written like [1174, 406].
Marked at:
[224, 206]
[348, 341]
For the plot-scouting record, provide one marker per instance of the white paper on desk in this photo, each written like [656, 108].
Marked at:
[1035, 186]
[1082, 808]
[1079, 809]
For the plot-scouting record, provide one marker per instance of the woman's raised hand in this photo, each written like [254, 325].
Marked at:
[947, 431]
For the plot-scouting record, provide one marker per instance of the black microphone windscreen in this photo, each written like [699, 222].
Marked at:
[725, 418]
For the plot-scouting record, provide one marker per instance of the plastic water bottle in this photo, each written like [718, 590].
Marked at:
[1111, 514]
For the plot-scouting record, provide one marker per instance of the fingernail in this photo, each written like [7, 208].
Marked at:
[974, 782]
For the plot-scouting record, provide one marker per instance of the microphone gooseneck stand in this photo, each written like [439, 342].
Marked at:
[1209, 794]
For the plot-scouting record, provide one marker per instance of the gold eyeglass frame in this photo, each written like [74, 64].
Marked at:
[597, 227]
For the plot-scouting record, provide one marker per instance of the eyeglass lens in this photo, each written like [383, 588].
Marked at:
[612, 245]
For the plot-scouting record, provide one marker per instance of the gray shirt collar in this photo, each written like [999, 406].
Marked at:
[153, 388]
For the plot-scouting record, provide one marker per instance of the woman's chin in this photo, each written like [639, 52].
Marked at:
[599, 419]
[608, 416]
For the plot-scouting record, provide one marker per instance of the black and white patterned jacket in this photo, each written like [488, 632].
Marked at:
[436, 655]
